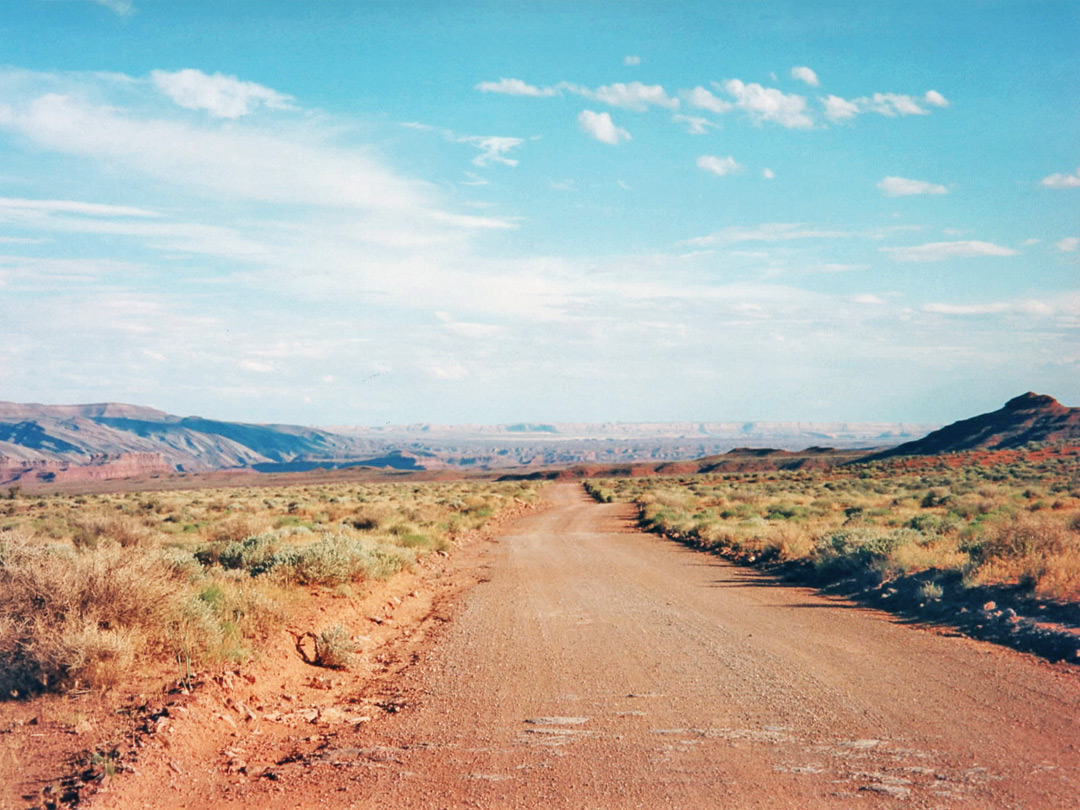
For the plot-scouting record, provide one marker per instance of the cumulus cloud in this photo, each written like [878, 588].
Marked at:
[633, 96]
[705, 100]
[840, 109]
[220, 95]
[902, 187]
[1061, 180]
[769, 104]
[1069, 244]
[719, 166]
[939, 251]
[935, 99]
[632, 61]
[601, 127]
[891, 105]
[768, 174]
[516, 87]
[805, 74]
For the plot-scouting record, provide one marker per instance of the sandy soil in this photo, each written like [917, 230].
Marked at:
[578, 663]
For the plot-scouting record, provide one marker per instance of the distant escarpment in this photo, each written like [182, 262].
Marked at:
[1027, 418]
[97, 468]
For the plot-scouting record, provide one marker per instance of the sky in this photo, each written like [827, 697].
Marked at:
[378, 212]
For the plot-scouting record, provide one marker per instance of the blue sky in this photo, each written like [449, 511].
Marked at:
[378, 212]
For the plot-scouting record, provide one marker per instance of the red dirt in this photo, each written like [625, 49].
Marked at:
[593, 666]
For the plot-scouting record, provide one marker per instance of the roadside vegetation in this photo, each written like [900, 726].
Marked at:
[95, 587]
[955, 521]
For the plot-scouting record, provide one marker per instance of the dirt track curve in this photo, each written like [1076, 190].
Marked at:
[597, 667]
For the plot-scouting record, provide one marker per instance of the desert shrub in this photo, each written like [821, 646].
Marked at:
[930, 591]
[859, 549]
[93, 530]
[78, 616]
[334, 648]
[235, 528]
[337, 558]
[1040, 550]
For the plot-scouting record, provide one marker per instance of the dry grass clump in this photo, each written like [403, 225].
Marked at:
[993, 523]
[334, 648]
[95, 529]
[93, 587]
[70, 616]
[1041, 550]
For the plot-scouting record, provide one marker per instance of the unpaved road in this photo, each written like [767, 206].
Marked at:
[598, 667]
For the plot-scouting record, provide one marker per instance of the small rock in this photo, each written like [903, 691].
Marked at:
[896, 791]
[174, 767]
[990, 606]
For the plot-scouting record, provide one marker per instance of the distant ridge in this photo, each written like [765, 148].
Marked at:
[61, 442]
[1027, 418]
[57, 443]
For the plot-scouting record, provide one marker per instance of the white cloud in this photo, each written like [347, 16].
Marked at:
[516, 87]
[893, 104]
[719, 166]
[1061, 180]
[1033, 308]
[695, 125]
[448, 371]
[256, 366]
[902, 187]
[767, 232]
[493, 148]
[890, 105]
[867, 299]
[72, 207]
[1029, 242]
[769, 104]
[935, 99]
[233, 161]
[124, 8]
[601, 127]
[705, 100]
[768, 174]
[467, 329]
[563, 185]
[222, 96]
[805, 74]
[840, 109]
[1069, 244]
[633, 96]
[632, 61]
[474, 180]
[939, 251]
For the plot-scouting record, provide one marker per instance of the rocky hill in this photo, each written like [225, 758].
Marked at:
[45, 442]
[1027, 418]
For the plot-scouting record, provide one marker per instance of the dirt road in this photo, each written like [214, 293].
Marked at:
[598, 667]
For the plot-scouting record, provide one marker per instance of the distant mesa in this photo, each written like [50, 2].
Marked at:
[1027, 418]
